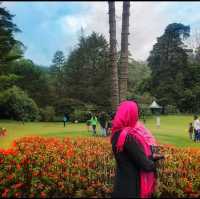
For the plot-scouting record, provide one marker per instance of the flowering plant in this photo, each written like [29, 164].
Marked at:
[85, 167]
[3, 131]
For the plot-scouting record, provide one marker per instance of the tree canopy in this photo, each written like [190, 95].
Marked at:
[81, 81]
[9, 46]
[171, 70]
[168, 61]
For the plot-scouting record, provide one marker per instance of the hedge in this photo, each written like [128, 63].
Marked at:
[84, 167]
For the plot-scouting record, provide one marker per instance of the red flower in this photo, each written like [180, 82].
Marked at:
[14, 144]
[62, 161]
[17, 186]
[70, 153]
[10, 177]
[188, 189]
[2, 151]
[1, 160]
[42, 194]
[9, 152]
[18, 167]
[5, 193]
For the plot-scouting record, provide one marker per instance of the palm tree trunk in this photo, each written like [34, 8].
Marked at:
[113, 56]
[123, 67]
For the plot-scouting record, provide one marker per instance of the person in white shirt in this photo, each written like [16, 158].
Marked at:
[196, 125]
[158, 121]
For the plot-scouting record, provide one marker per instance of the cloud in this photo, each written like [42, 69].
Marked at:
[41, 31]
[148, 21]
[146, 24]
[72, 23]
[51, 26]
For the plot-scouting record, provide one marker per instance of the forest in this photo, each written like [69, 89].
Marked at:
[81, 81]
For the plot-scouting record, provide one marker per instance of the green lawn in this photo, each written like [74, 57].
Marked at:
[173, 130]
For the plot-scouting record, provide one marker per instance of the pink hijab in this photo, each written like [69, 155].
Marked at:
[126, 121]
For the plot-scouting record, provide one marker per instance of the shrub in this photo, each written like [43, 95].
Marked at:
[58, 119]
[47, 114]
[16, 104]
[78, 115]
[84, 167]
[7, 81]
[67, 105]
[178, 175]
[171, 109]
[145, 110]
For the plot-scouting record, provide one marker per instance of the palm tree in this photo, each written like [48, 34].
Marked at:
[123, 67]
[113, 56]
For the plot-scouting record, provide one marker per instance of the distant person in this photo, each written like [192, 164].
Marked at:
[109, 123]
[190, 131]
[196, 125]
[158, 122]
[102, 122]
[65, 119]
[132, 146]
[88, 123]
[109, 128]
[143, 116]
[93, 122]
[198, 135]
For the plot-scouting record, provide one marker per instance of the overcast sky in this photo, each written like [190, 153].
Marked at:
[50, 26]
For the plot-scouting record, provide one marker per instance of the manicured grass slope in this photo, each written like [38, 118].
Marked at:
[173, 130]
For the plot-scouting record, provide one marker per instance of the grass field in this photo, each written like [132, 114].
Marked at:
[173, 130]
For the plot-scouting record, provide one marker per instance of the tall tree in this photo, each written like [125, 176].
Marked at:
[168, 62]
[32, 79]
[138, 72]
[87, 73]
[58, 62]
[123, 67]
[7, 40]
[113, 56]
[57, 73]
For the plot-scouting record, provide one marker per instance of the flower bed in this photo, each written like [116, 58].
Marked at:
[84, 167]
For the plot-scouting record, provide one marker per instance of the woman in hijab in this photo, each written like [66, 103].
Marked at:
[132, 146]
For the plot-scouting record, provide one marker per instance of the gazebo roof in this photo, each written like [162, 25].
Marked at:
[155, 105]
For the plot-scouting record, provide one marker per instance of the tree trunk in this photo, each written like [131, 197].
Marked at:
[123, 67]
[113, 57]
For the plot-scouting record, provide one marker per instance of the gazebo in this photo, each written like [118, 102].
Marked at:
[155, 108]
